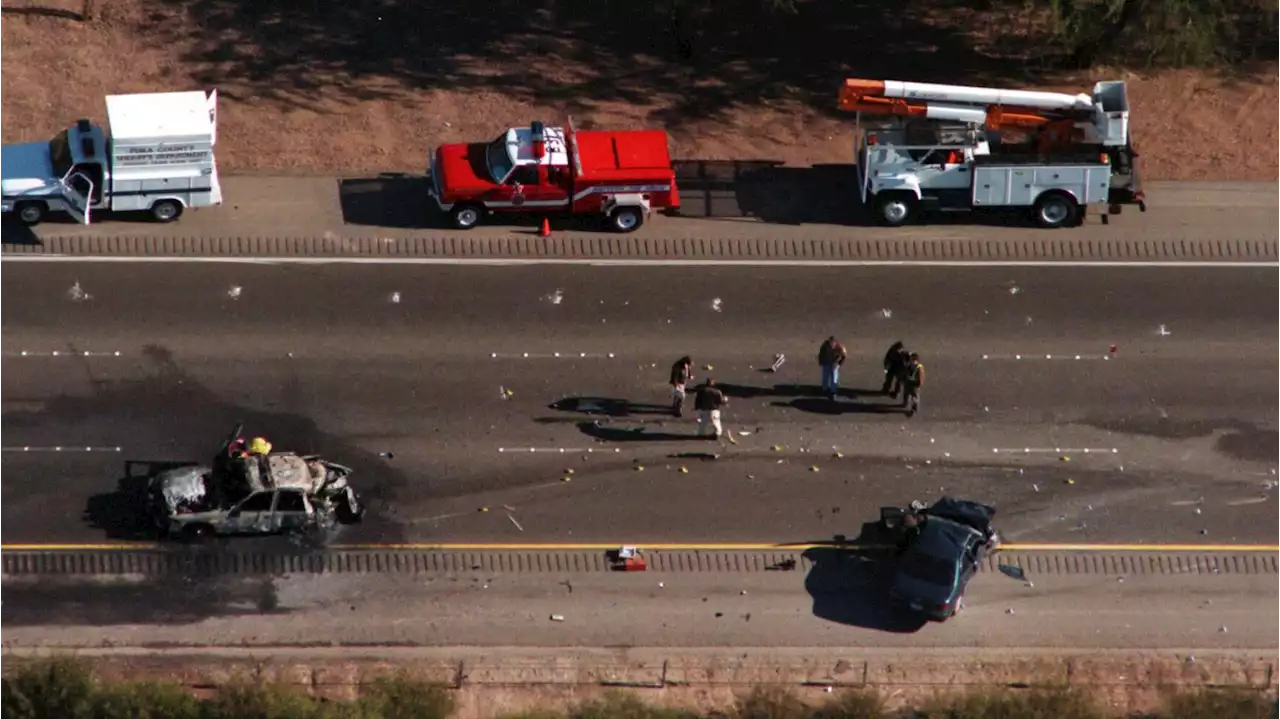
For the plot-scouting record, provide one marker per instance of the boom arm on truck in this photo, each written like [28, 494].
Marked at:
[1066, 130]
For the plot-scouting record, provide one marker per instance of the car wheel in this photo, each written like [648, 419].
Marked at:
[895, 209]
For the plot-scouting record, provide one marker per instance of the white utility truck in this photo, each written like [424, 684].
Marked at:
[947, 148]
[156, 158]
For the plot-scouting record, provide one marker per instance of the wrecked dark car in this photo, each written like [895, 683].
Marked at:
[939, 550]
[244, 494]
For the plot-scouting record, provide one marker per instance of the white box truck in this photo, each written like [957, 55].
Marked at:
[156, 158]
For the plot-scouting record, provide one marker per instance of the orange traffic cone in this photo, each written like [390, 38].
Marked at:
[546, 228]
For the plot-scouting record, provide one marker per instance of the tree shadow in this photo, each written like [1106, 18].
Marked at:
[603, 433]
[852, 588]
[172, 413]
[685, 60]
[609, 407]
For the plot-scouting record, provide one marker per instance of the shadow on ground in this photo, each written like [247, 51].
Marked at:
[608, 406]
[173, 600]
[852, 588]
[697, 58]
[1238, 440]
[176, 417]
[16, 233]
[388, 200]
[767, 191]
[606, 433]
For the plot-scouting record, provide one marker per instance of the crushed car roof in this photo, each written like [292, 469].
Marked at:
[971, 514]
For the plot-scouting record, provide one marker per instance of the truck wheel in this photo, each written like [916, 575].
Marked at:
[465, 217]
[626, 219]
[31, 213]
[895, 209]
[166, 210]
[1054, 210]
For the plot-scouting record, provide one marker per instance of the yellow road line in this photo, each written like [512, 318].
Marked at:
[688, 547]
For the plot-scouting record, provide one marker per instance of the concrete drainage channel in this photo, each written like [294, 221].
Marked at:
[223, 562]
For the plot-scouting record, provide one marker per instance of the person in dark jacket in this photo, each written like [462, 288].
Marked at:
[895, 364]
[830, 356]
[913, 380]
[708, 401]
[681, 376]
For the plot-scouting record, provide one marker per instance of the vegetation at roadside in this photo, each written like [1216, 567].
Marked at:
[64, 688]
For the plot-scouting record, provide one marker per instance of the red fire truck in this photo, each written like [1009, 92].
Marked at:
[620, 176]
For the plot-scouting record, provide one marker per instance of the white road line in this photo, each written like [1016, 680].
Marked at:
[560, 450]
[1056, 450]
[60, 448]
[501, 262]
[552, 355]
[1047, 357]
[61, 353]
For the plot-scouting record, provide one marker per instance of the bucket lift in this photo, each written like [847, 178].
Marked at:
[1065, 130]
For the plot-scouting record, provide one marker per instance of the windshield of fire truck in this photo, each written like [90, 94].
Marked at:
[497, 159]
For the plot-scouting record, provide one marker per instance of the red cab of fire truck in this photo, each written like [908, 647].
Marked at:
[621, 176]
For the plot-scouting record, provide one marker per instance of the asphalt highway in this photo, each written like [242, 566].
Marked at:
[417, 377]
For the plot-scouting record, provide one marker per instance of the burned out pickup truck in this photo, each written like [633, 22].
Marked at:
[251, 494]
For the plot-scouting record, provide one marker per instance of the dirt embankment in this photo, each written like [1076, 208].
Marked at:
[345, 88]
[488, 682]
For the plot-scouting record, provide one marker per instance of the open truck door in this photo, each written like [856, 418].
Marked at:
[77, 190]
[215, 184]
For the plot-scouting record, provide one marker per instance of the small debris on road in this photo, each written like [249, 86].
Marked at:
[556, 297]
[557, 617]
[513, 521]
[234, 292]
[886, 313]
[395, 298]
[79, 295]
[717, 304]
[1163, 331]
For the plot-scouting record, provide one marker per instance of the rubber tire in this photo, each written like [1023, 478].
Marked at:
[166, 210]
[1070, 211]
[459, 212]
[619, 222]
[883, 202]
[38, 212]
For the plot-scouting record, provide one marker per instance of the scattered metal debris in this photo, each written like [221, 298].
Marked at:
[513, 521]
[717, 304]
[1163, 331]
[77, 294]
[886, 313]
[556, 297]
[234, 292]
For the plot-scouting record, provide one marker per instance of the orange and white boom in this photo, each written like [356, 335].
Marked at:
[991, 107]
